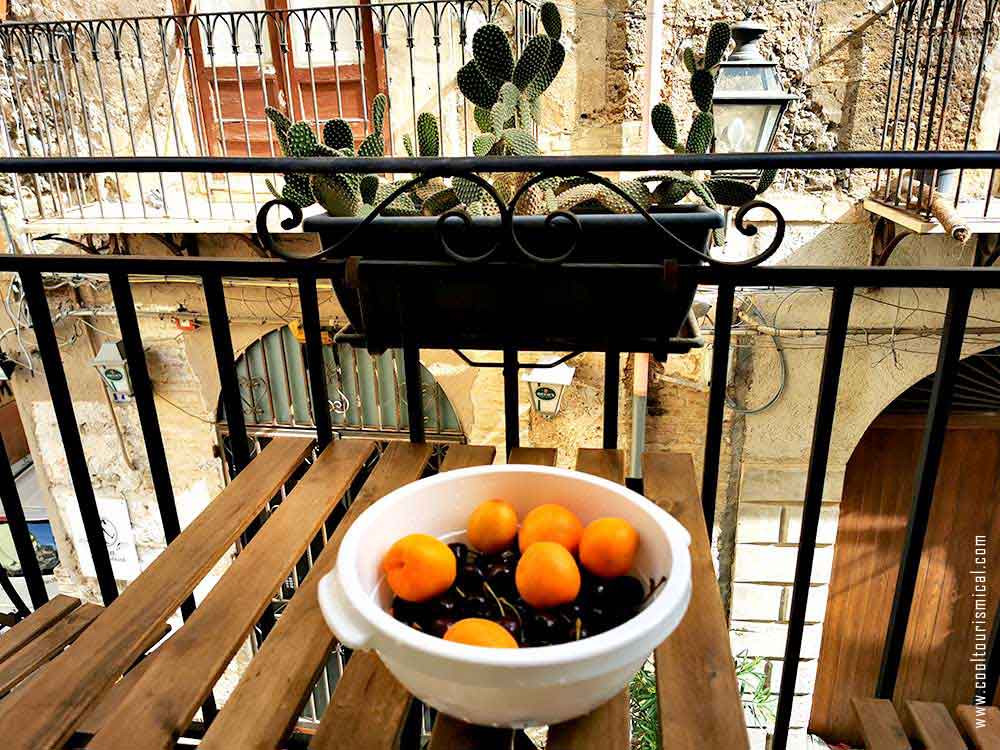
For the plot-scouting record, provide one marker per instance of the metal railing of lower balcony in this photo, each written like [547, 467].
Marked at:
[724, 276]
[197, 85]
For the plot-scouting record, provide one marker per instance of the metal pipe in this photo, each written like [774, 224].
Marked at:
[826, 405]
[640, 390]
[610, 430]
[512, 429]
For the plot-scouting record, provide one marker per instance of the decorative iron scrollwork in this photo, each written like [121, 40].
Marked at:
[561, 225]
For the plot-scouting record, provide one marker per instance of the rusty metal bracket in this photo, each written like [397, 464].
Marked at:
[885, 240]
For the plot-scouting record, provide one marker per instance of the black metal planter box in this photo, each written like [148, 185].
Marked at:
[610, 288]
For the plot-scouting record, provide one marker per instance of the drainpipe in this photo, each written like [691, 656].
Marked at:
[653, 75]
[640, 389]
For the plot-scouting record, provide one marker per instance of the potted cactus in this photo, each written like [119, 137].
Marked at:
[530, 222]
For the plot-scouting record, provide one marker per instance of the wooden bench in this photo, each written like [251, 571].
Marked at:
[932, 723]
[106, 693]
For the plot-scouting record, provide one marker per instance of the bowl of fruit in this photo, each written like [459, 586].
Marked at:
[510, 596]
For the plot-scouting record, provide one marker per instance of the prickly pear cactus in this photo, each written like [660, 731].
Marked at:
[505, 88]
[675, 186]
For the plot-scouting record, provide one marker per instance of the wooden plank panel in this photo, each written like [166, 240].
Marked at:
[606, 726]
[879, 724]
[535, 456]
[464, 456]
[699, 698]
[450, 733]
[366, 710]
[113, 698]
[35, 624]
[934, 726]
[167, 696]
[47, 645]
[269, 697]
[981, 724]
[44, 713]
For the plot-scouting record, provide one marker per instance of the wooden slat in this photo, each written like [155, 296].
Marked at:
[879, 724]
[35, 624]
[44, 714]
[981, 724]
[934, 726]
[366, 710]
[698, 695]
[100, 712]
[450, 733]
[45, 646]
[464, 456]
[607, 726]
[167, 696]
[271, 693]
[535, 456]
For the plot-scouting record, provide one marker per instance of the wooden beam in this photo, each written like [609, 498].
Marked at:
[533, 456]
[879, 724]
[699, 698]
[934, 726]
[35, 624]
[981, 724]
[268, 700]
[45, 713]
[165, 699]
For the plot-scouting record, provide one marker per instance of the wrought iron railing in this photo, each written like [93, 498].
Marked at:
[725, 277]
[197, 85]
[936, 98]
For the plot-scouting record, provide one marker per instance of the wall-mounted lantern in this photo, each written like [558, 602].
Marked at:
[547, 385]
[749, 99]
[113, 368]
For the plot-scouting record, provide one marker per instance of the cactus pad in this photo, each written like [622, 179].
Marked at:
[301, 140]
[551, 20]
[379, 105]
[484, 144]
[702, 131]
[532, 61]
[475, 86]
[520, 142]
[715, 46]
[729, 192]
[336, 194]
[338, 134]
[501, 116]
[492, 53]
[278, 119]
[702, 89]
[368, 187]
[665, 125]
[466, 191]
[553, 64]
[428, 135]
[483, 119]
[766, 178]
[373, 145]
[672, 190]
[689, 59]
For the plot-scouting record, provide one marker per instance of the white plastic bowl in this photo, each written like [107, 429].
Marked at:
[504, 687]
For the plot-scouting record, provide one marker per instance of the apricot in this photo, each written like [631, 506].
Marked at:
[419, 567]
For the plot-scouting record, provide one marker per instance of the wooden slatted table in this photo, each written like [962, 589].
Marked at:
[933, 726]
[81, 674]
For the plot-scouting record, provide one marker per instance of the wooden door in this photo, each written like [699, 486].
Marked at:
[874, 511]
[285, 59]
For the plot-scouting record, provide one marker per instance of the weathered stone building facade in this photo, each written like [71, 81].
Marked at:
[834, 56]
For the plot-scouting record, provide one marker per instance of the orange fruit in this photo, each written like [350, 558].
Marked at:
[547, 575]
[492, 526]
[475, 631]
[419, 567]
[608, 546]
[550, 523]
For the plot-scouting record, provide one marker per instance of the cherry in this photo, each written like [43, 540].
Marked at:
[627, 592]
[476, 605]
[511, 625]
[471, 577]
[460, 551]
[439, 626]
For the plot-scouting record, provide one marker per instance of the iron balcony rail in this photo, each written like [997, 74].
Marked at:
[725, 277]
[198, 84]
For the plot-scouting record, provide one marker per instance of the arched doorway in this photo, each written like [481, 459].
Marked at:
[367, 392]
[944, 628]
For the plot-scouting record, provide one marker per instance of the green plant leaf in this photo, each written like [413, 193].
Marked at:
[520, 142]
[730, 192]
[689, 59]
[278, 119]
[369, 187]
[702, 89]
[408, 145]
[553, 64]
[532, 61]
[701, 134]
[379, 105]
[501, 115]
[475, 86]
[492, 53]
[466, 190]
[336, 194]
[372, 146]
[301, 140]
[766, 179]
[664, 124]
[715, 45]
[484, 120]
[338, 134]
[484, 144]
[551, 19]
[428, 135]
